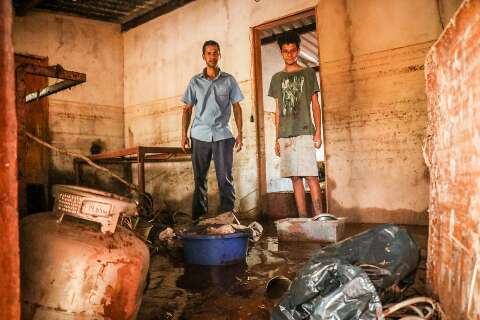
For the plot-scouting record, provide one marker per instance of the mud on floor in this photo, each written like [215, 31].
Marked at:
[178, 291]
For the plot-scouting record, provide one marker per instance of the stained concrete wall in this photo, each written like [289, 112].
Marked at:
[160, 58]
[453, 152]
[372, 54]
[90, 111]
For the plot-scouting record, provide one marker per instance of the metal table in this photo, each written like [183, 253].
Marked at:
[138, 154]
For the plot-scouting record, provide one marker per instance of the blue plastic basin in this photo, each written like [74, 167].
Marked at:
[215, 250]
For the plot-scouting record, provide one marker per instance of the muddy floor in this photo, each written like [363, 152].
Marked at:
[178, 291]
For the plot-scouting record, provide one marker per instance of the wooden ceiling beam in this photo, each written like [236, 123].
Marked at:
[26, 5]
[301, 30]
[154, 13]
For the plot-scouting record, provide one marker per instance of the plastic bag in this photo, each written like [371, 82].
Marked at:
[334, 286]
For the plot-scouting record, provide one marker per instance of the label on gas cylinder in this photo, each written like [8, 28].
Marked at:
[94, 208]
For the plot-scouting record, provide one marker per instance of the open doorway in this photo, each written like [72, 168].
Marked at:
[277, 193]
[33, 162]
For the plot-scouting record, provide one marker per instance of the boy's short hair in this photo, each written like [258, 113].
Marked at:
[210, 43]
[289, 37]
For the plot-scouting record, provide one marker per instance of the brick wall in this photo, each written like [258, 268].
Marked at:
[452, 151]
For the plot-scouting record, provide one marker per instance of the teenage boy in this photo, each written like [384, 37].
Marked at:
[212, 92]
[295, 88]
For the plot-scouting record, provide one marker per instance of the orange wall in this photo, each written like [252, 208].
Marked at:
[453, 153]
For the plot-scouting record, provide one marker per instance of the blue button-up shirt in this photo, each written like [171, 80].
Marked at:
[212, 100]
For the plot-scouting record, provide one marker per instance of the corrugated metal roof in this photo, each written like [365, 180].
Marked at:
[128, 13]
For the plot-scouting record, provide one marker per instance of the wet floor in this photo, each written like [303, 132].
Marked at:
[178, 291]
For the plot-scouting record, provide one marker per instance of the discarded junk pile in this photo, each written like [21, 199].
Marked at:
[323, 228]
[221, 240]
[71, 269]
[349, 279]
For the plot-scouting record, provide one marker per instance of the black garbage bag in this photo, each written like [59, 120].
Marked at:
[331, 290]
[333, 285]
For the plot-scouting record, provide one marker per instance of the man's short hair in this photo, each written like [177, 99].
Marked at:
[210, 43]
[289, 37]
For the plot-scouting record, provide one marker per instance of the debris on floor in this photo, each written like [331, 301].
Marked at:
[417, 308]
[167, 234]
[277, 286]
[329, 288]
[353, 278]
[224, 218]
[247, 290]
[228, 222]
[322, 228]
[347, 280]
[223, 224]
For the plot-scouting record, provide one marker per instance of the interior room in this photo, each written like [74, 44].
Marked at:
[102, 186]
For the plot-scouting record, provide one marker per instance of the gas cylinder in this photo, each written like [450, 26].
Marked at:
[72, 269]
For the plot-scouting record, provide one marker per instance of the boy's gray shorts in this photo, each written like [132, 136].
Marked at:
[297, 157]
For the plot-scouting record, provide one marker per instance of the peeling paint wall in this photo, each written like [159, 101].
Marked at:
[372, 54]
[453, 153]
[90, 111]
[160, 58]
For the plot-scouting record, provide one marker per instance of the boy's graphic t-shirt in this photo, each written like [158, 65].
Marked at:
[294, 92]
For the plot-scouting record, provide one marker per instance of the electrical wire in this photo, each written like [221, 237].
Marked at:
[426, 314]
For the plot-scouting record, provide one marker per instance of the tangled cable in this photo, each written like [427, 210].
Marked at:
[425, 311]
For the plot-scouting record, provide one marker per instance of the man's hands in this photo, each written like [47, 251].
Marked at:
[185, 143]
[186, 115]
[317, 121]
[317, 139]
[239, 142]
[277, 148]
[237, 114]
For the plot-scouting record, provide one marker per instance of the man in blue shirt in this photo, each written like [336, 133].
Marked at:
[212, 93]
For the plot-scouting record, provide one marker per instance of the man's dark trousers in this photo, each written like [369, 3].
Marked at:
[222, 153]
